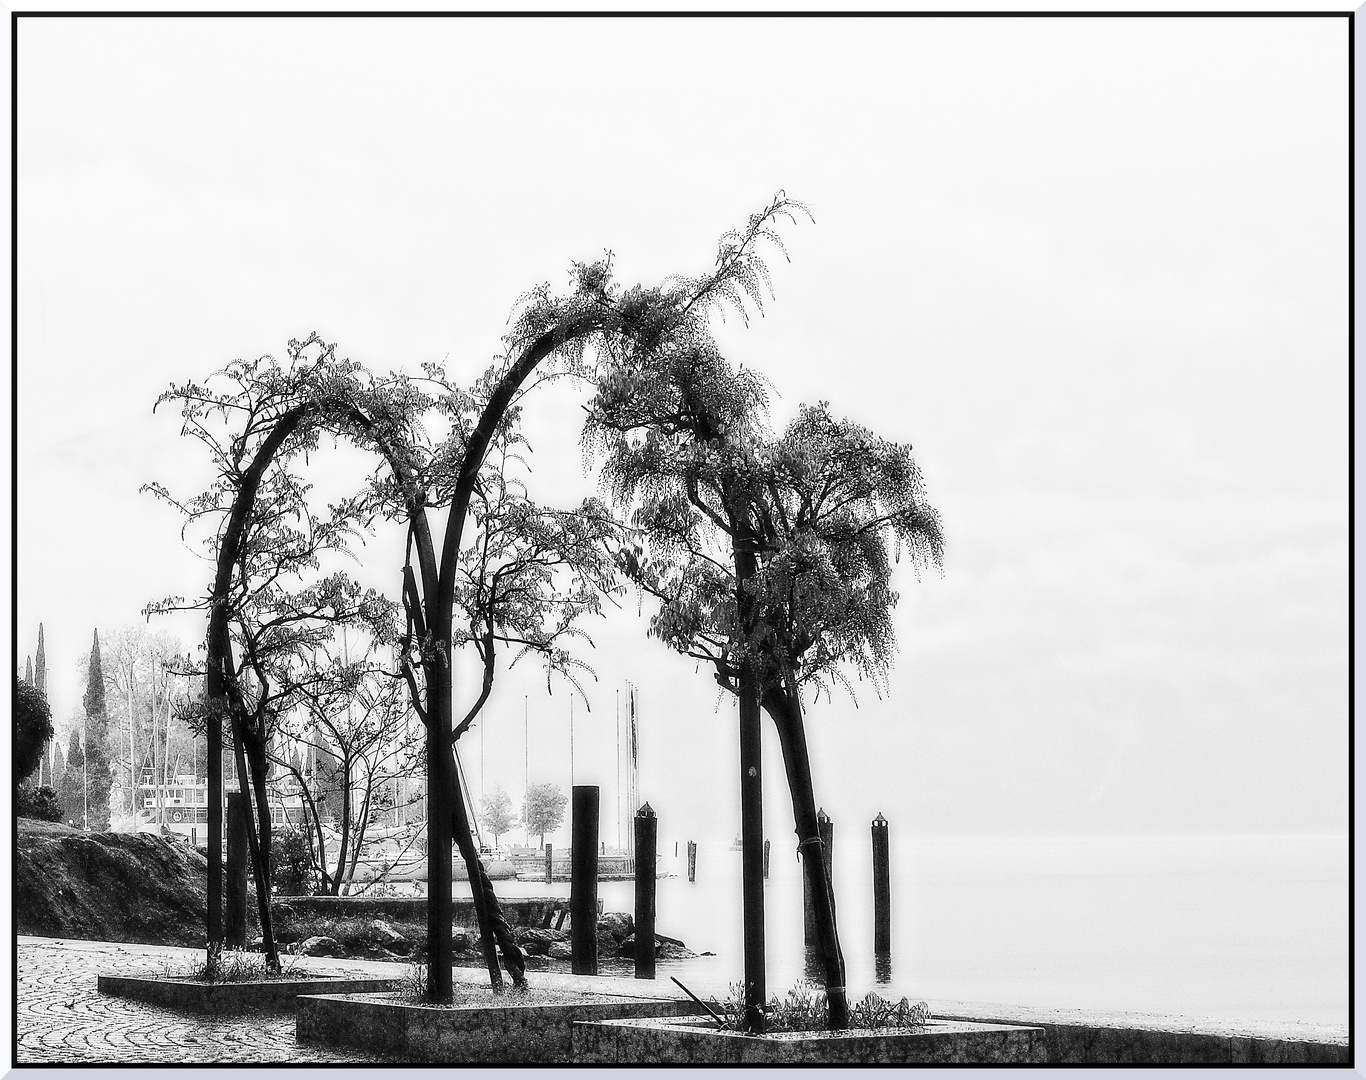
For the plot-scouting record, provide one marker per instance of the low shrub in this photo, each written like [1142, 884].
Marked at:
[803, 1008]
[229, 966]
[291, 867]
[40, 803]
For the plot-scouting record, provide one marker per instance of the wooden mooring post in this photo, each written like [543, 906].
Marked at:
[767, 845]
[692, 860]
[549, 872]
[235, 887]
[882, 889]
[647, 825]
[583, 883]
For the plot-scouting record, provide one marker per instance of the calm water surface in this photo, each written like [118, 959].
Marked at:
[1241, 927]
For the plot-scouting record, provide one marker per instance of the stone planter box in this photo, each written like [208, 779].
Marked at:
[465, 1034]
[276, 995]
[697, 1041]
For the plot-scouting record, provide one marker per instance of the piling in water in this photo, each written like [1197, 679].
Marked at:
[583, 884]
[882, 889]
[646, 830]
[692, 860]
[235, 888]
[549, 875]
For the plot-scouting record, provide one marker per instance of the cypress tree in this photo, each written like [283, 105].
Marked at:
[40, 664]
[58, 765]
[28, 670]
[71, 786]
[40, 682]
[99, 765]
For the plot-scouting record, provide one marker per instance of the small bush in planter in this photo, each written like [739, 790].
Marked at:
[803, 1008]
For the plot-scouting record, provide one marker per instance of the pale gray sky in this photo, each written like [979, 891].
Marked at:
[1095, 270]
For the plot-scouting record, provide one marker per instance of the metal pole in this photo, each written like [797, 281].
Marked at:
[583, 886]
[646, 831]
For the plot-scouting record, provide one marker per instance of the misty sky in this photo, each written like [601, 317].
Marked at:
[1095, 271]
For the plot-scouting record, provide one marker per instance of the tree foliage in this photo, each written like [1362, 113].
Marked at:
[32, 728]
[98, 764]
[543, 809]
[497, 814]
[770, 556]
[71, 786]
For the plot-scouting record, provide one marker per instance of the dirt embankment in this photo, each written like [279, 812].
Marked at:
[108, 886]
[118, 887]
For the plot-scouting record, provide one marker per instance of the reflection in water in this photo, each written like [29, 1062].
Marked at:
[883, 961]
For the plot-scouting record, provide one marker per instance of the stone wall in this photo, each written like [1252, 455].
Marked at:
[1085, 1037]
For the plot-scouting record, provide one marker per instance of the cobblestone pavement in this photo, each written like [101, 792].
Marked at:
[63, 1019]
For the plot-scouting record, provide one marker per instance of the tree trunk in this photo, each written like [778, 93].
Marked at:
[441, 794]
[218, 665]
[251, 780]
[785, 709]
[489, 913]
[345, 837]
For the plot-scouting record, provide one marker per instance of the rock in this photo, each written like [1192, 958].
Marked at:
[320, 946]
[384, 935]
[560, 950]
[537, 942]
[666, 948]
[461, 939]
[618, 924]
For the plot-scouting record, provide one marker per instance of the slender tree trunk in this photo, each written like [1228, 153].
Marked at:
[312, 814]
[486, 900]
[441, 790]
[342, 843]
[258, 842]
[786, 712]
[469, 852]
[358, 840]
[218, 667]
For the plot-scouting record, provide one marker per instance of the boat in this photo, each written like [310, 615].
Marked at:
[180, 808]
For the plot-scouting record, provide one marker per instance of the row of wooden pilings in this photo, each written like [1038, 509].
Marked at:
[583, 888]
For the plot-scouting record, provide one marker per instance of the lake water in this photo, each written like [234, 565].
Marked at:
[1234, 927]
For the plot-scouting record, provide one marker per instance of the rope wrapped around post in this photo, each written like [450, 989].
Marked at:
[513, 959]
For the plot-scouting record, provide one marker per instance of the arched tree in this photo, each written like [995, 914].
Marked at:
[769, 560]
[551, 336]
